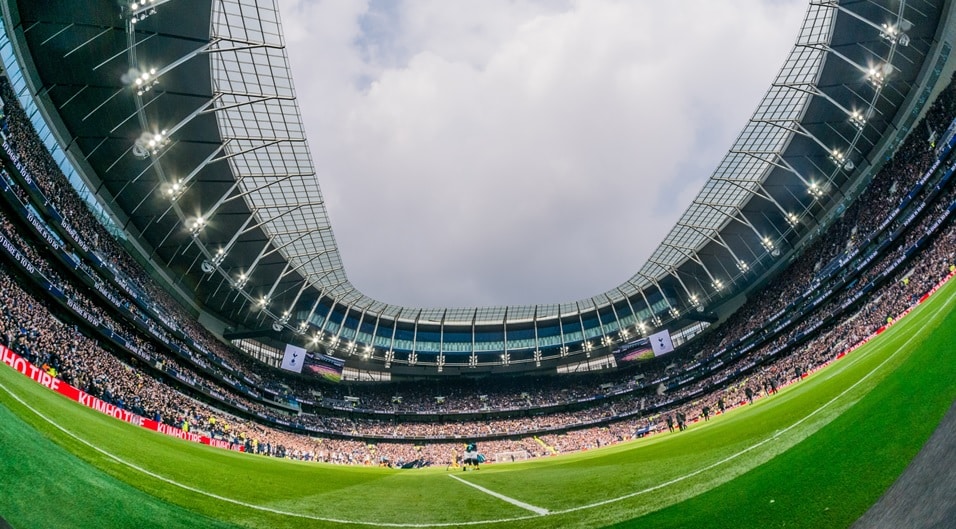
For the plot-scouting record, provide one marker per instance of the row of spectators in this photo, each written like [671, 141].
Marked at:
[906, 166]
[844, 236]
[58, 192]
[34, 332]
[98, 374]
[536, 424]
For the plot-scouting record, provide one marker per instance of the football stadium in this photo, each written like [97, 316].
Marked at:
[182, 347]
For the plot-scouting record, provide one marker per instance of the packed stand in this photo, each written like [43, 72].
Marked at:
[88, 367]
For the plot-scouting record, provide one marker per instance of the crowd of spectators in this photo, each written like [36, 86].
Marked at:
[156, 384]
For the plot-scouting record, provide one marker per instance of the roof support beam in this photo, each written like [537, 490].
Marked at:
[691, 254]
[672, 271]
[229, 197]
[265, 253]
[856, 117]
[884, 30]
[761, 192]
[253, 101]
[671, 309]
[719, 240]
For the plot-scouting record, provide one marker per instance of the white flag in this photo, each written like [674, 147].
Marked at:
[661, 342]
[293, 359]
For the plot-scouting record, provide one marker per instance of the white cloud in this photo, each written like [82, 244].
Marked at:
[519, 152]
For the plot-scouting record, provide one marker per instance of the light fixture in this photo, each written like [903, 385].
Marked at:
[876, 75]
[139, 10]
[896, 34]
[695, 302]
[857, 119]
[770, 246]
[197, 225]
[767, 244]
[174, 190]
[837, 156]
[145, 81]
[150, 143]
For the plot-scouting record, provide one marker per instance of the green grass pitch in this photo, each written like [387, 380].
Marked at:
[818, 454]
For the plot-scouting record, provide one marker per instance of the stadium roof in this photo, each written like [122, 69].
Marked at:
[184, 124]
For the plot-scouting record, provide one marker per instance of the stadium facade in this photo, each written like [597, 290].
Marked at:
[179, 126]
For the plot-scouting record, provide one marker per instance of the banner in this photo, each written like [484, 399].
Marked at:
[661, 342]
[40, 376]
[294, 358]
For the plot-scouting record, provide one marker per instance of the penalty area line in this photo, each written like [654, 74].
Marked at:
[526, 506]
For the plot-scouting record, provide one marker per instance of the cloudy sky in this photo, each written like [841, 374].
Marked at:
[490, 152]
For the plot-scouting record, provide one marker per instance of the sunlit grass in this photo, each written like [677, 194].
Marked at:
[816, 455]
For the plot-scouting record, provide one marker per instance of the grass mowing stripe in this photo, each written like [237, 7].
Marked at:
[502, 497]
[246, 504]
[832, 478]
[776, 435]
[537, 510]
[890, 345]
[141, 442]
[60, 489]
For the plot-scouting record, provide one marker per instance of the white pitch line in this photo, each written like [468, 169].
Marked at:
[240, 502]
[502, 497]
[765, 441]
[473, 522]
